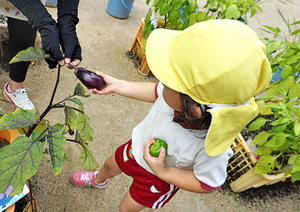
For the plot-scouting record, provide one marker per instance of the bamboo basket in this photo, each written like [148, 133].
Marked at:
[241, 169]
[137, 51]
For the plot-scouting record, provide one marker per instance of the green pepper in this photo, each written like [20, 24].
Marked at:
[156, 147]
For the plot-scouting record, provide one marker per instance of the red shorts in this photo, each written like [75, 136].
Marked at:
[146, 188]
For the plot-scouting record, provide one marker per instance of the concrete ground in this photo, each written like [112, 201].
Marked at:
[105, 41]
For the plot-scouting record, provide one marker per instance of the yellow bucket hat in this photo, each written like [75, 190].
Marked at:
[219, 63]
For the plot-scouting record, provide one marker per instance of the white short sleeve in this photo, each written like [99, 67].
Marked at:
[212, 170]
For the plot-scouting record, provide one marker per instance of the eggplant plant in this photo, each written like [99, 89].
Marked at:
[180, 14]
[19, 161]
[280, 146]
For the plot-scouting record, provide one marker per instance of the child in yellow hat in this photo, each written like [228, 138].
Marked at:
[209, 74]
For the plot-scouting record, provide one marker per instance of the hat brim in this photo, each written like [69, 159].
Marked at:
[157, 54]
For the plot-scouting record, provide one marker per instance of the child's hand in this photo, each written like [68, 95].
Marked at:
[109, 84]
[156, 164]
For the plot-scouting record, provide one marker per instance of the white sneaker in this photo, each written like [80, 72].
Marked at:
[19, 98]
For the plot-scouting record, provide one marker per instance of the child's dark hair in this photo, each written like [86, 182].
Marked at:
[186, 116]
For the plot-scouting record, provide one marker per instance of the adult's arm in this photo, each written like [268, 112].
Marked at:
[41, 20]
[67, 13]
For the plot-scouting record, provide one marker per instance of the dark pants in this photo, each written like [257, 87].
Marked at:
[21, 36]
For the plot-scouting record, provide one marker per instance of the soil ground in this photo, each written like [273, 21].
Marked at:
[105, 41]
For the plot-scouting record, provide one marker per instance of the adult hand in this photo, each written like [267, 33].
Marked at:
[157, 164]
[50, 43]
[67, 21]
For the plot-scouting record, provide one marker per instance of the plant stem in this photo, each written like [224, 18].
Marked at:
[31, 128]
[8, 102]
[73, 141]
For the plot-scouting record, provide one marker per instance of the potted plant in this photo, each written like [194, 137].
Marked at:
[20, 160]
[180, 14]
[282, 51]
[278, 145]
[231, 9]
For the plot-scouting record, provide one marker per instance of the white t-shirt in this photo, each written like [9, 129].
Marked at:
[185, 146]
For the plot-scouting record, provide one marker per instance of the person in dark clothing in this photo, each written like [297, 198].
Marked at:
[59, 40]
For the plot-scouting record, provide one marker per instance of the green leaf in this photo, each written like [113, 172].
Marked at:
[276, 141]
[295, 32]
[70, 116]
[156, 2]
[294, 91]
[186, 21]
[83, 127]
[174, 15]
[18, 119]
[275, 30]
[293, 59]
[175, 25]
[80, 91]
[265, 164]
[269, 96]
[19, 162]
[253, 11]
[192, 18]
[292, 159]
[87, 158]
[176, 4]
[232, 12]
[258, 7]
[279, 128]
[76, 101]
[38, 136]
[213, 6]
[255, 125]
[29, 54]
[297, 128]
[261, 138]
[147, 25]
[55, 141]
[296, 169]
[164, 9]
[272, 46]
[295, 176]
[295, 23]
[201, 16]
[287, 71]
[192, 6]
[287, 83]
[272, 106]
[262, 150]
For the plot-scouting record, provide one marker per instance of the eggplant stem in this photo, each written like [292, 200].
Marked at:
[75, 69]
[72, 66]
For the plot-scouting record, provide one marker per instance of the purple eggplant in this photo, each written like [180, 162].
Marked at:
[89, 78]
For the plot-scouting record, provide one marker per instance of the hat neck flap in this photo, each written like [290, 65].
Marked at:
[227, 121]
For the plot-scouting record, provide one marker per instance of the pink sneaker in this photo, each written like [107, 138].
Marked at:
[87, 179]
